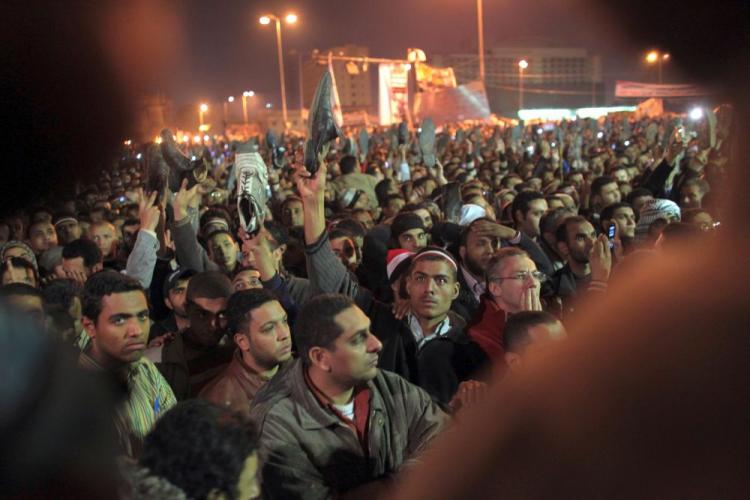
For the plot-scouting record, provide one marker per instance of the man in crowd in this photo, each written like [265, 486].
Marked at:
[175, 298]
[223, 250]
[42, 237]
[115, 317]
[623, 217]
[259, 325]
[80, 259]
[334, 424]
[67, 227]
[527, 333]
[604, 191]
[351, 177]
[528, 208]
[27, 300]
[191, 360]
[588, 260]
[104, 234]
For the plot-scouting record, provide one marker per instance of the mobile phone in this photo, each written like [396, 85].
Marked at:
[611, 232]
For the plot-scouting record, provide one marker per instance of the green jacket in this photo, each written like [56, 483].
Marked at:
[307, 452]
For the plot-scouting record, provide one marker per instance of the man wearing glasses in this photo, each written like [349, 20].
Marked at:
[513, 284]
[195, 357]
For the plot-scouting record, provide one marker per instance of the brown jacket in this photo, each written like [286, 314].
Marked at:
[307, 452]
[236, 386]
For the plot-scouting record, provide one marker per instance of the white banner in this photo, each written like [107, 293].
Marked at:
[393, 97]
[638, 89]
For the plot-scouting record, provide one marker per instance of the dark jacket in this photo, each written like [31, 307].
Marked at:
[439, 366]
[307, 452]
[570, 289]
[237, 385]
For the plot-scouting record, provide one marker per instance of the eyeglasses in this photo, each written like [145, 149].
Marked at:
[523, 276]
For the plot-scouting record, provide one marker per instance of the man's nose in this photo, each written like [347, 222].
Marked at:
[134, 328]
[373, 344]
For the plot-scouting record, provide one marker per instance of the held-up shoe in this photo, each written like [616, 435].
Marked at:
[323, 127]
[427, 142]
[158, 171]
[364, 142]
[252, 186]
[403, 133]
[181, 167]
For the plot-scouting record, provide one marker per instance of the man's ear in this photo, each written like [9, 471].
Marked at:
[456, 290]
[242, 341]
[168, 304]
[89, 326]
[494, 289]
[513, 360]
[319, 357]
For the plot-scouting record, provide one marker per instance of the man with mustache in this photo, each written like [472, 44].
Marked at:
[333, 424]
[264, 347]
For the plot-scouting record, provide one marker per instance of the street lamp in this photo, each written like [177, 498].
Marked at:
[290, 19]
[202, 109]
[245, 95]
[480, 35]
[658, 58]
[226, 107]
[522, 65]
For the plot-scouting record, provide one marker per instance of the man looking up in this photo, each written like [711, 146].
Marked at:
[588, 260]
[264, 345]
[334, 425]
[42, 237]
[115, 317]
[528, 208]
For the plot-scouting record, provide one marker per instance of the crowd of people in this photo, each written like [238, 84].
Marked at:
[319, 355]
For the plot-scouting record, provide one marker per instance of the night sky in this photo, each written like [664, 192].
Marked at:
[227, 51]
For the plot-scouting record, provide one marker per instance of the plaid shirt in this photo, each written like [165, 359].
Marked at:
[149, 395]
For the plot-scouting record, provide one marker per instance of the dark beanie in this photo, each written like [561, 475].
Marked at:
[404, 222]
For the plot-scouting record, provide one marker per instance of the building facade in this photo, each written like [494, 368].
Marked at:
[352, 80]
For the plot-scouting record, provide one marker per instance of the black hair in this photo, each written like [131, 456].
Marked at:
[105, 283]
[600, 182]
[433, 256]
[20, 290]
[200, 447]
[522, 202]
[549, 221]
[637, 193]
[516, 332]
[279, 233]
[241, 304]
[561, 233]
[215, 213]
[209, 285]
[381, 191]
[609, 211]
[83, 248]
[316, 324]
[61, 293]
[352, 226]
[347, 164]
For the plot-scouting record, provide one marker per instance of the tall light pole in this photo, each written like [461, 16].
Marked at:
[290, 19]
[658, 58]
[226, 108]
[522, 65]
[480, 34]
[245, 95]
[202, 109]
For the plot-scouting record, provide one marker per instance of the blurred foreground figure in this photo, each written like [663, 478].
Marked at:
[618, 411]
[56, 422]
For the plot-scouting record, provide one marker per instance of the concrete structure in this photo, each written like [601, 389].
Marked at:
[355, 89]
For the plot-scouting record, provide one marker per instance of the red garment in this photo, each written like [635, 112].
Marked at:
[487, 330]
[361, 398]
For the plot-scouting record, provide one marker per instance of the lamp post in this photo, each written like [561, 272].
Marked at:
[480, 34]
[245, 95]
[202, 109]
[658, 58]
[226, 108]
[290, 19]
[522, 65]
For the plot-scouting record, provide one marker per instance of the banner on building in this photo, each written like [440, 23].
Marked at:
[335, 101]
[393, 94]
[465, 102]
[431, 78]
[637, 89]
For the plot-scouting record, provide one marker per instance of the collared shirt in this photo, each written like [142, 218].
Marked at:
[149, 396]
[416, 329]
[476, 286]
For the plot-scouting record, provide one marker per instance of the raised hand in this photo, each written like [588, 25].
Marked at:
[491, 229]
[183, 199]
[311, 186]
[600, 259]
[148, 213]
